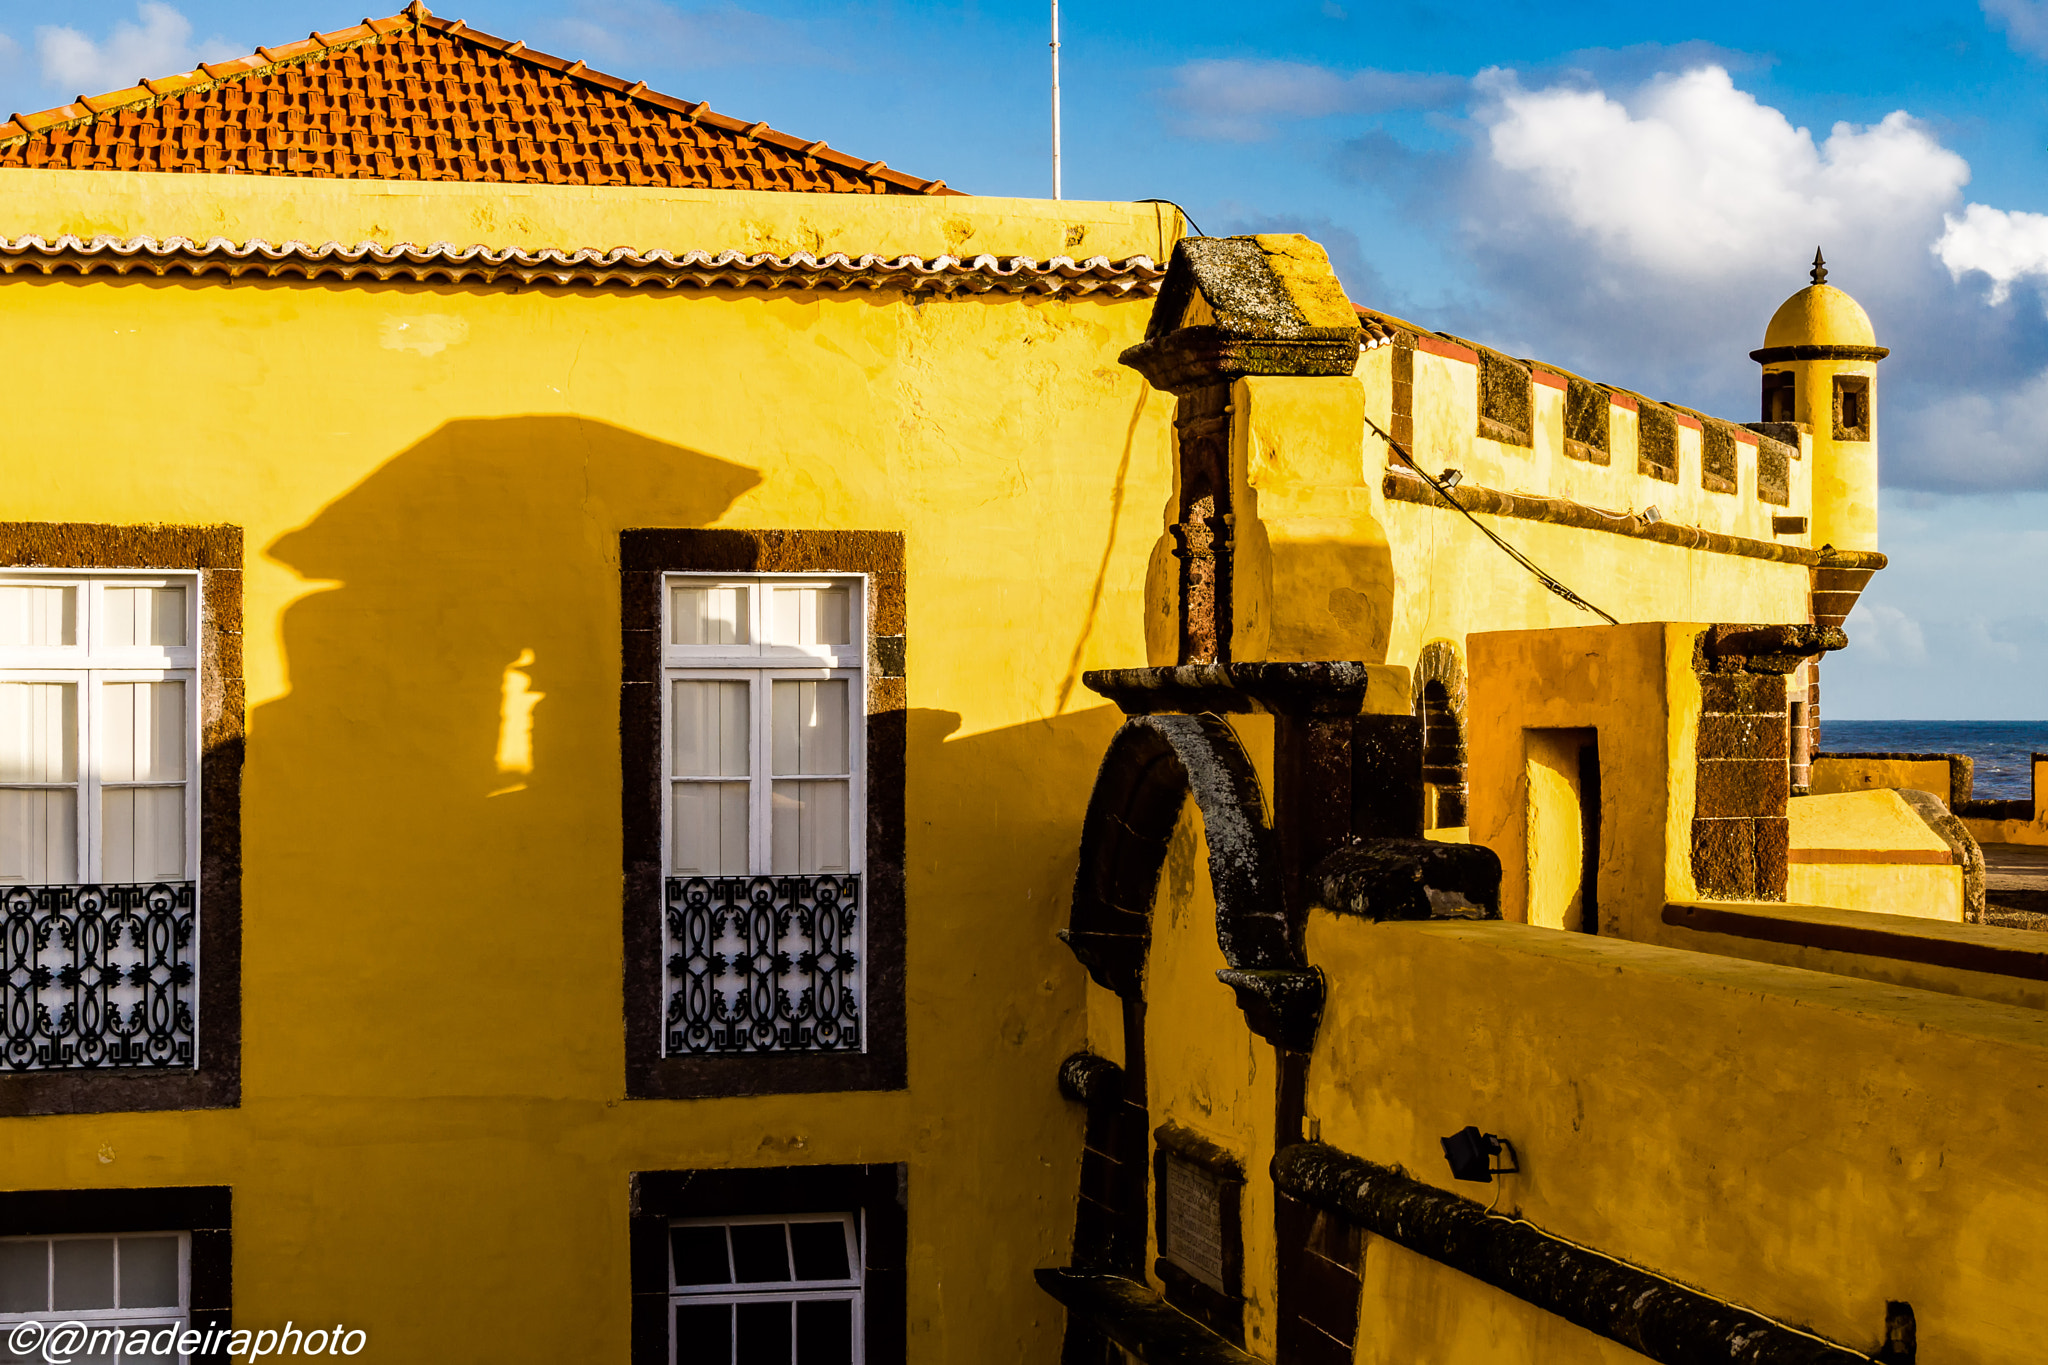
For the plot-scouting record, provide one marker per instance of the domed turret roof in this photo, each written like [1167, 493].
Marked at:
[1820, 315]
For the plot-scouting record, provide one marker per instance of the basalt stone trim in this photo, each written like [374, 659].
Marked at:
[1773, 475]
[1742, 781]
[1845, 385]
[1506, 402]
[1587, 410]
[1657, 441]
[644, 556]
[1402, 486]
[215, 551]
[1648, 1313]
[204, 1211]
[1771, 355]
[1402, 365]
[1137, 1320]
[1153, 765]
[1719, 466]
[1995, 954]
[879, 1193]
[1313, 688]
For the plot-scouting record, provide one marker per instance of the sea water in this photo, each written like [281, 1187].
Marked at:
[2003, 749]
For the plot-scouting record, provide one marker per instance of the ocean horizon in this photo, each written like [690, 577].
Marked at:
[2002, 750]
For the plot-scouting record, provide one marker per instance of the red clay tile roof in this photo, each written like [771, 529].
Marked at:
[416, 97]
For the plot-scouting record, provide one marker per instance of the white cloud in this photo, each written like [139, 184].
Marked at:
[1977, 438]
[1695, 179]
[1883, 634]
[1239, 101]
[2025, 23]
[159, 45]
[2005, 245]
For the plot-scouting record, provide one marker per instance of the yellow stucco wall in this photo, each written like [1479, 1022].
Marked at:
[1831, 775]
[431, 481]
[1714, 1120]
[1847, 849]
[1634, 687]
[1204, 1069]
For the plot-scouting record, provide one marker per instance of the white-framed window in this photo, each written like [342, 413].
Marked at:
[764, 721]
[115, 1285]
[751, 1290]
[99, 723]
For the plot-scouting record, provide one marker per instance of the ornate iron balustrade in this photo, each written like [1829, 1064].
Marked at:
[763, 964]
[97, 976]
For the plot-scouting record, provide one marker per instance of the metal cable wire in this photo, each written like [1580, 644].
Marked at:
[1445, 493]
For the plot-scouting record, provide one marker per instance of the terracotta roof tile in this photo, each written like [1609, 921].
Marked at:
[416, 97]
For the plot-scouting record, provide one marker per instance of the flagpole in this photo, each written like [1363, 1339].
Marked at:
[1055, 99]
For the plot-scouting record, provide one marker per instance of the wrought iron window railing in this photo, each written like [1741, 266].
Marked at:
[763, 964]
[97, 976]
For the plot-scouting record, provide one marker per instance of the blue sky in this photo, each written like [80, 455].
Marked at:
[1626, 190]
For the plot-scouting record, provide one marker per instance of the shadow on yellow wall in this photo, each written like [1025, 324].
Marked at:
[475, 633]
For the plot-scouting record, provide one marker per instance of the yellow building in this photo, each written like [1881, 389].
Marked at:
[557, 653]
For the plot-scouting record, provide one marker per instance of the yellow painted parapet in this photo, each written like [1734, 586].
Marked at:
[277, 209]
[1871, 850]
[1669, 1108]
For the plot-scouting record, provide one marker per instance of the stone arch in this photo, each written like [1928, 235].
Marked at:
[1439, 692]
[1153, 765]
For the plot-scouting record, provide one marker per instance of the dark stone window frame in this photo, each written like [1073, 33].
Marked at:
[215, 553]
[204, 1211]
[1846, 385]
[1220, 1311]
[878, 1193]
[644, 557]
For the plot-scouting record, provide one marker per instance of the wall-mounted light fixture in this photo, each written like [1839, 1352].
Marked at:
[1471, 1155]
[1651, 516]
[1451, 478]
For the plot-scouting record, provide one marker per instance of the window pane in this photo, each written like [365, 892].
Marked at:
[711, 829]
[708, 723]
[142, 834]
[707, 615]
[24, 1277]
[143, 616]
[820, 1250]
[38, 836]
[759, 1253]
[31, 614]
[763, 1332]
[38, 732]
[149, 1272]
[703, 1334]
[824, 1332]
[812, 615]
[700, 1255]
[84, 1275]
[810, 727]
[809, 830]
[144, 739]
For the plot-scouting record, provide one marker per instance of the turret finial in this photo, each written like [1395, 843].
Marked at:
[1820, 268]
